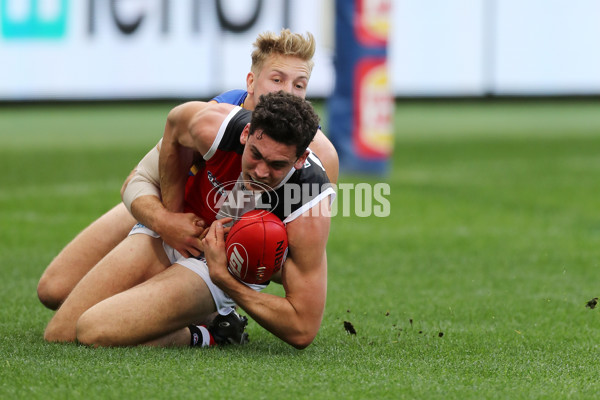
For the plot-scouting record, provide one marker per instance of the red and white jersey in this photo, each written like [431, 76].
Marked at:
[217, 189]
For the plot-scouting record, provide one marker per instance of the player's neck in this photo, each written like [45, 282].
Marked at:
[249, 103]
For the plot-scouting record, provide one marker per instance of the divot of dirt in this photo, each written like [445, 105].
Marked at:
[592, 303]
[349, 328]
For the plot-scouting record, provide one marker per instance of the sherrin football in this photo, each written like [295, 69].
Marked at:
[256, 246]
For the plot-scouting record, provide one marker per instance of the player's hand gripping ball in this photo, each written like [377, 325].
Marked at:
[256, 246]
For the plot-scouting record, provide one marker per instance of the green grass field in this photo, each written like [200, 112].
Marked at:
[474, 287]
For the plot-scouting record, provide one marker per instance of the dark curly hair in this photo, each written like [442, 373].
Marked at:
[285, 118]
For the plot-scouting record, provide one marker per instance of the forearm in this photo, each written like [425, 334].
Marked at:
[275, 314]
[149, 211]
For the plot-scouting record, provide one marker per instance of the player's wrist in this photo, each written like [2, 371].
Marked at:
[220, 275]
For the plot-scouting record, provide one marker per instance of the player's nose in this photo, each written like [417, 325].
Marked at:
[261, 171]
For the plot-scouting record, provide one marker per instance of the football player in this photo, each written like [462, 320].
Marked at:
[279, 62]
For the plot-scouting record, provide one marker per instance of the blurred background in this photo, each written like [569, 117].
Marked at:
[148, 49]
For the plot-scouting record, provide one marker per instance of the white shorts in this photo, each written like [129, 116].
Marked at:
[198, 265]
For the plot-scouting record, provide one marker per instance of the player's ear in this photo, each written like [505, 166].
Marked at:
[301, 160]
[250, 82]
[244, 135]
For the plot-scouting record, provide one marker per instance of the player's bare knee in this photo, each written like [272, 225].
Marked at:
[87, 330]
[50, 294]
[50, 334]
[56, 332]
[53, 336]
[91, 331]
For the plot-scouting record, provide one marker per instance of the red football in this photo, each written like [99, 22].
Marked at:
[256, 246]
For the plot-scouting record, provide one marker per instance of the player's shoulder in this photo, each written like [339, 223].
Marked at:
[327, 153]
[228, 136]
[237, 119]
[236, 97]
[323, 146]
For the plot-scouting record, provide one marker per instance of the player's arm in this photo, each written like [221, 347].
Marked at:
[177, 154]
[295, 318]
[126, 183]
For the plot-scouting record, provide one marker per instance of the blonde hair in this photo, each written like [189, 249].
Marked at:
[285, 44]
